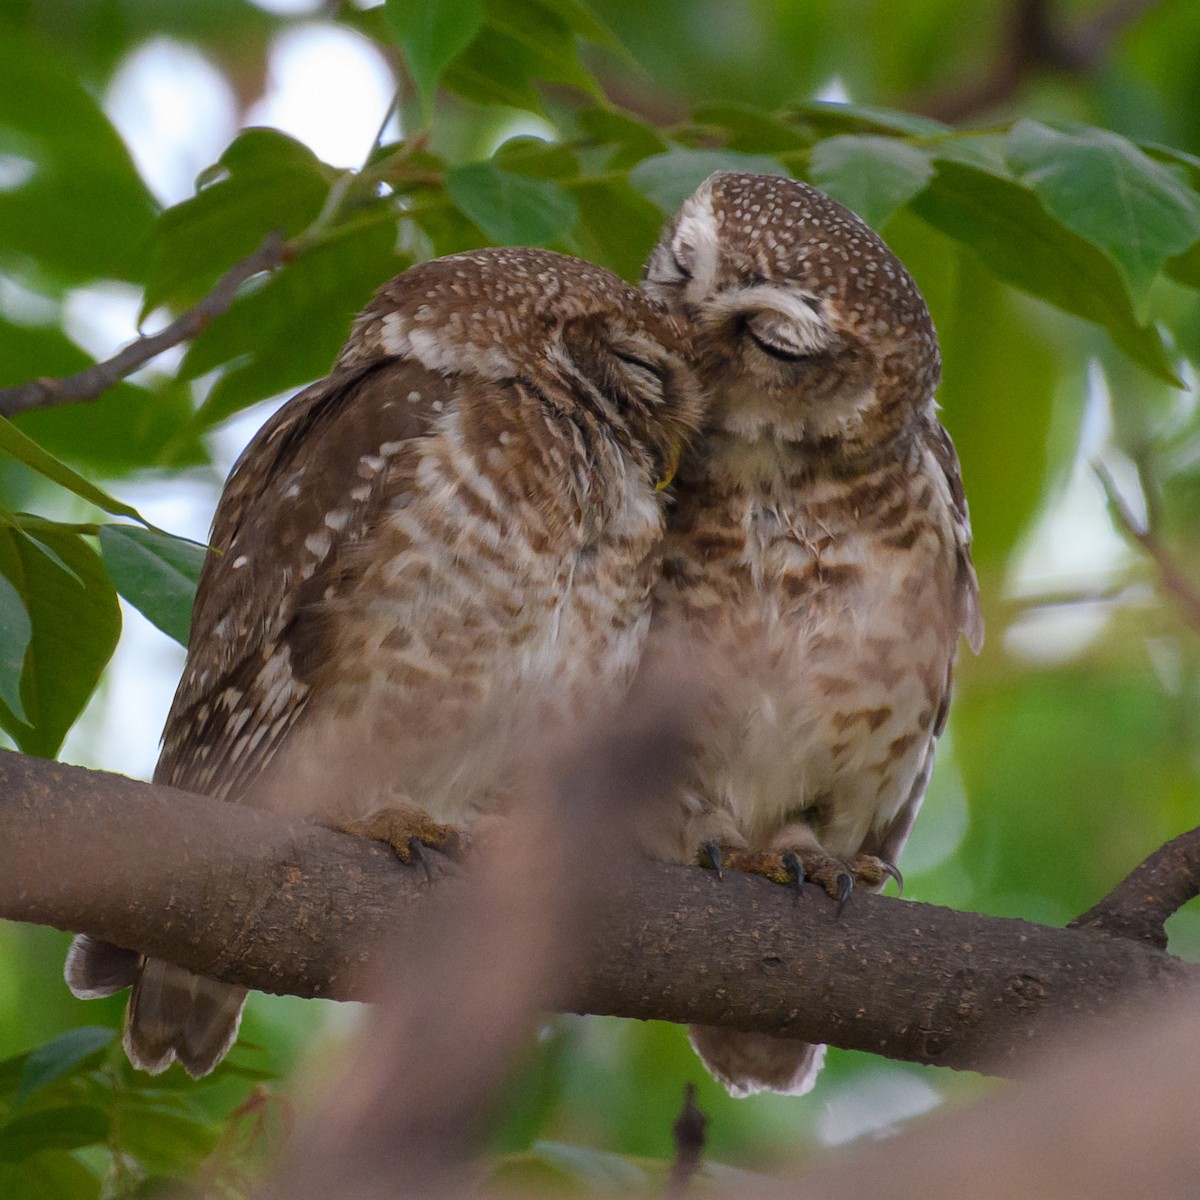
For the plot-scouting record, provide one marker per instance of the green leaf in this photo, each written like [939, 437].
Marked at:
[1185, 268]
[524, 43]
[445, 229]
[123, 431]
[617, 227]
[984, 150]
[750, 130]
[60, 1056]
[872, 175]
[15, 632]
[536, 158]
[32, 526]
[156, 573]
[24, 449]
[432, 34]
[288, 331]
[582, 20]
[830, 117]
[992, 352]
[631, 139]
[512, 210]
[166, 1137]
[1032, 734]
[126, 428]
[65, 1128]
[536, 1088]
[1006, 226]
[83, 212]
[667, 180]
[75, 627]
[52, 1175]
[1109, 192]
[264, 181]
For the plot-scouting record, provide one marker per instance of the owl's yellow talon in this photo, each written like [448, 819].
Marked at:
[408, 831]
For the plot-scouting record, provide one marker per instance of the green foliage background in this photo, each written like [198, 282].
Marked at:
[1058, 244]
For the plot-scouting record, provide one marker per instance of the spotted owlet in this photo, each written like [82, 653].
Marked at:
[451, 538]
[818, 554]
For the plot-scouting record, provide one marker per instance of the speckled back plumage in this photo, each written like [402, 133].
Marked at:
[818, 554]
[452, 538]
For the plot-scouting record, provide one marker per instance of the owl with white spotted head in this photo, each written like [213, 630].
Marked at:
[818, 555]
[448, 543]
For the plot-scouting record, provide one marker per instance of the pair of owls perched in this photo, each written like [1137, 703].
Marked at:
[462, 533]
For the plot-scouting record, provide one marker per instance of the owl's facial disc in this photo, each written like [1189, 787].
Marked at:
[682, 270]
[783, 323]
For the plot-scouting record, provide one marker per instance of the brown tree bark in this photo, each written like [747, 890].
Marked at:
[290, 907]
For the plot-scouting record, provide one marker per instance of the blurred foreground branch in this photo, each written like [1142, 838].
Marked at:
[1112, 1115]
[284, 906]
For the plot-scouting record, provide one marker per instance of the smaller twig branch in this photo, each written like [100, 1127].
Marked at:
[1172, 579]
[1123, 591]
[1033, 41]
[1138, 907]
[689, 1132]
[1093, 38]
[93, 381]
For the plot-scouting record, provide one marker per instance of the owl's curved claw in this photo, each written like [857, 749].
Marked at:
[712, 852]
[890, 869]
[791, 860]
[417, 854]
[415, 839]
[845, 886]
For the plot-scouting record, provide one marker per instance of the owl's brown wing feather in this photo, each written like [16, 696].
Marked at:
[887, 841]
[309, 486]
[970, 617]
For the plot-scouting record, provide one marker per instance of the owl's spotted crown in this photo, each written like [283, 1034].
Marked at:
[739, 232]
[503, 306]
[550, 320]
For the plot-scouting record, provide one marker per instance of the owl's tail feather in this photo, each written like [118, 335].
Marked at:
[174, 1014]
[95, 969]
[757, 1062]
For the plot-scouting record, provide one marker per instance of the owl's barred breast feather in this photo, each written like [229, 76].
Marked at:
[452, 538]
[818, 554]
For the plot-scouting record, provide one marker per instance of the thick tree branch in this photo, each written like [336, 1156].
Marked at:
[97, 379]
[287, 907]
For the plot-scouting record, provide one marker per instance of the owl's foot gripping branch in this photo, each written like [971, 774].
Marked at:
[285, 906]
